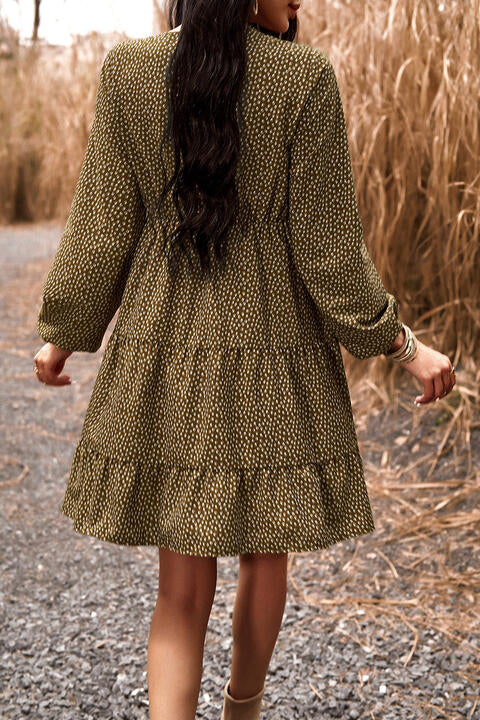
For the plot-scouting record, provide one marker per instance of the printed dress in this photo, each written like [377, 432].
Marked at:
[220, 421]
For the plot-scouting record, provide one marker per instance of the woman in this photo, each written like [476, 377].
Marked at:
[216, 210]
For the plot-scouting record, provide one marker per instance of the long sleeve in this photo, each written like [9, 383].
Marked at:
[86, 280]
[326, 230]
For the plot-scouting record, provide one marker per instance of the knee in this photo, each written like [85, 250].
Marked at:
[186, 582]
[269, 569]
[190, 599]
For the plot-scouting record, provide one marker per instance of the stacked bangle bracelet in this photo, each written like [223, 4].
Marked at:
[408, 351]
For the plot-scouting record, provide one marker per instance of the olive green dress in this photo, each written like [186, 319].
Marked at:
[220, 421]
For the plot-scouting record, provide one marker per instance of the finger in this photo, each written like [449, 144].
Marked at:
[38, 369]
[447, 381]
[50, 378]
[428, 392]
[453, 381]
[438, 383]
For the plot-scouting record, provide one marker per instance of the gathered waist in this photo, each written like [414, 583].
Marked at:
[302, 346]
[247, 217]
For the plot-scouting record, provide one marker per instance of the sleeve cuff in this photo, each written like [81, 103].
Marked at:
[71, 329]
[365, 341]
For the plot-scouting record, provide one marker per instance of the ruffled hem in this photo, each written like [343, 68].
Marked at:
[217, 512]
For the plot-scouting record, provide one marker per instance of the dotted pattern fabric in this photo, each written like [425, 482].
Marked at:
[220, 419]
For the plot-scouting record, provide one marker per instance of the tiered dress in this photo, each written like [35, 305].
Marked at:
[220, 421]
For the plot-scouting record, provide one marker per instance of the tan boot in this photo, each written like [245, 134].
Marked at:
[243, 709]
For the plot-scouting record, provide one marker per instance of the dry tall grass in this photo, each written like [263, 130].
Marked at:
[47, 100]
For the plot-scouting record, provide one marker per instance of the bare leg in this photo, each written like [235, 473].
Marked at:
[257, 617]
[186, 589]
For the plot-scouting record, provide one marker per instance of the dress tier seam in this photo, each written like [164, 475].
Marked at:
[87, 443]
[304, 345]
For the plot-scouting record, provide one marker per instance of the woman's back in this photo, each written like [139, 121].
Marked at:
[237, 377]
[253, 300]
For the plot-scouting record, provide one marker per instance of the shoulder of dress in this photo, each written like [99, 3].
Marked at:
[133, 50]
[308, 63]
[129, 61]
[299, 65]
[276, 50]
[304, 67]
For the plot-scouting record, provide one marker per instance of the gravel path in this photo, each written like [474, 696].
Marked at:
[75, 611]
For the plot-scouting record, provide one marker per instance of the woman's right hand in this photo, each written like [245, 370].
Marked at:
[432, 369]
[49, 363]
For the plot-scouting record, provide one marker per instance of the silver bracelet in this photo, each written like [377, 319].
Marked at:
[409, 349]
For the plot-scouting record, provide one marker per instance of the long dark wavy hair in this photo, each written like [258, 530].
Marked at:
[204, 82]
